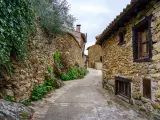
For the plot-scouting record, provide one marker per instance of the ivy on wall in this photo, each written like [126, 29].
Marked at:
[16, 25]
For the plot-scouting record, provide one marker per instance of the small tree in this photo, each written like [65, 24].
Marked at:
[68, 19]
[54, 15]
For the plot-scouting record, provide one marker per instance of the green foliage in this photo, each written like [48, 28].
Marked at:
[53, 17]
[24, 115]
[48, 85]
[10, 98]
[50, 70]
[57, 59]
[38, 92]
[16, 25]
[26, 102]
[74, 73]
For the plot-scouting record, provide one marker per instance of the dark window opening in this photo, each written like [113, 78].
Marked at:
[121, 38]
[123, 87]
[101, 59]
[142, 41]
[147, 88]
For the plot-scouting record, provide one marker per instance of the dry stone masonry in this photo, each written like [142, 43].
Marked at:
[41, 50]
[70, 51]
[31, 72]
[94, 55]
[118, 61]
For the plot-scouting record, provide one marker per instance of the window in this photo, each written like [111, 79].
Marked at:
[100, 58]
[123, 87]
[142, 41]
[121, 38]
[147, 88]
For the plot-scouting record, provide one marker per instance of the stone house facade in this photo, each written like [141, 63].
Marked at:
[94, 55]
[85, 59]
[131, 55]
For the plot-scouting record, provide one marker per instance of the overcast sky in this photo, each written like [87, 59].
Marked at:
[95, 15]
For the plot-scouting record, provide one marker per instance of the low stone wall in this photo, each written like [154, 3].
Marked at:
[118, 60]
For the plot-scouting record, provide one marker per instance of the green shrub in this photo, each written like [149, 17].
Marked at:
[26, 102]
[49, 84]
[38, 92]
[10, 98]
[74, 73]
[57, 59]
[16, 25]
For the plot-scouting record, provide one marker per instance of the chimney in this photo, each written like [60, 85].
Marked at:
[78, 28]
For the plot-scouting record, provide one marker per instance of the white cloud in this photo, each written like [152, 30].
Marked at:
[94, 9]
[95, 15]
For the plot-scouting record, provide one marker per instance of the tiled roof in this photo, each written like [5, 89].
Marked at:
[125, 11]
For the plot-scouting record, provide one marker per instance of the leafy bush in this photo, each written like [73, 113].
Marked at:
[57, 59]
[53, 16]
[26, 102]
[17, 23]
[74, 73]
[48, 85]
[38, 92]
[10, 98]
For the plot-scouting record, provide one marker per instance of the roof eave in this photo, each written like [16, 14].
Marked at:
[121, 18]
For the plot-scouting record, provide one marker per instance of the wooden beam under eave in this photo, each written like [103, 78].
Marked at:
[121, 24]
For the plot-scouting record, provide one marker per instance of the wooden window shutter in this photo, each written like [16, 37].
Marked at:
[135, 43]
[150, 38]
[147, 88]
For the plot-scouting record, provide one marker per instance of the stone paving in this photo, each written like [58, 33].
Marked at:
[84, 100]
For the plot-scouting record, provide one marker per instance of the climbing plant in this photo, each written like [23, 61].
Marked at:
[16, 24]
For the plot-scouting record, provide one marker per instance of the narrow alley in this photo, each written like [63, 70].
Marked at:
[84, 100]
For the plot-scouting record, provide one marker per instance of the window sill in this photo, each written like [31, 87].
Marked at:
[143, 60]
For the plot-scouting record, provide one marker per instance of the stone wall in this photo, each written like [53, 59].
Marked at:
[94, 55]
[41, 50]
[118, 60]
[70, 51]
[31, 72]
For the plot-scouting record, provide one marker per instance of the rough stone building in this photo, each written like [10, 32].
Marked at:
[131, 55]
[94, 55]
[71, 47]
[85, 60]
